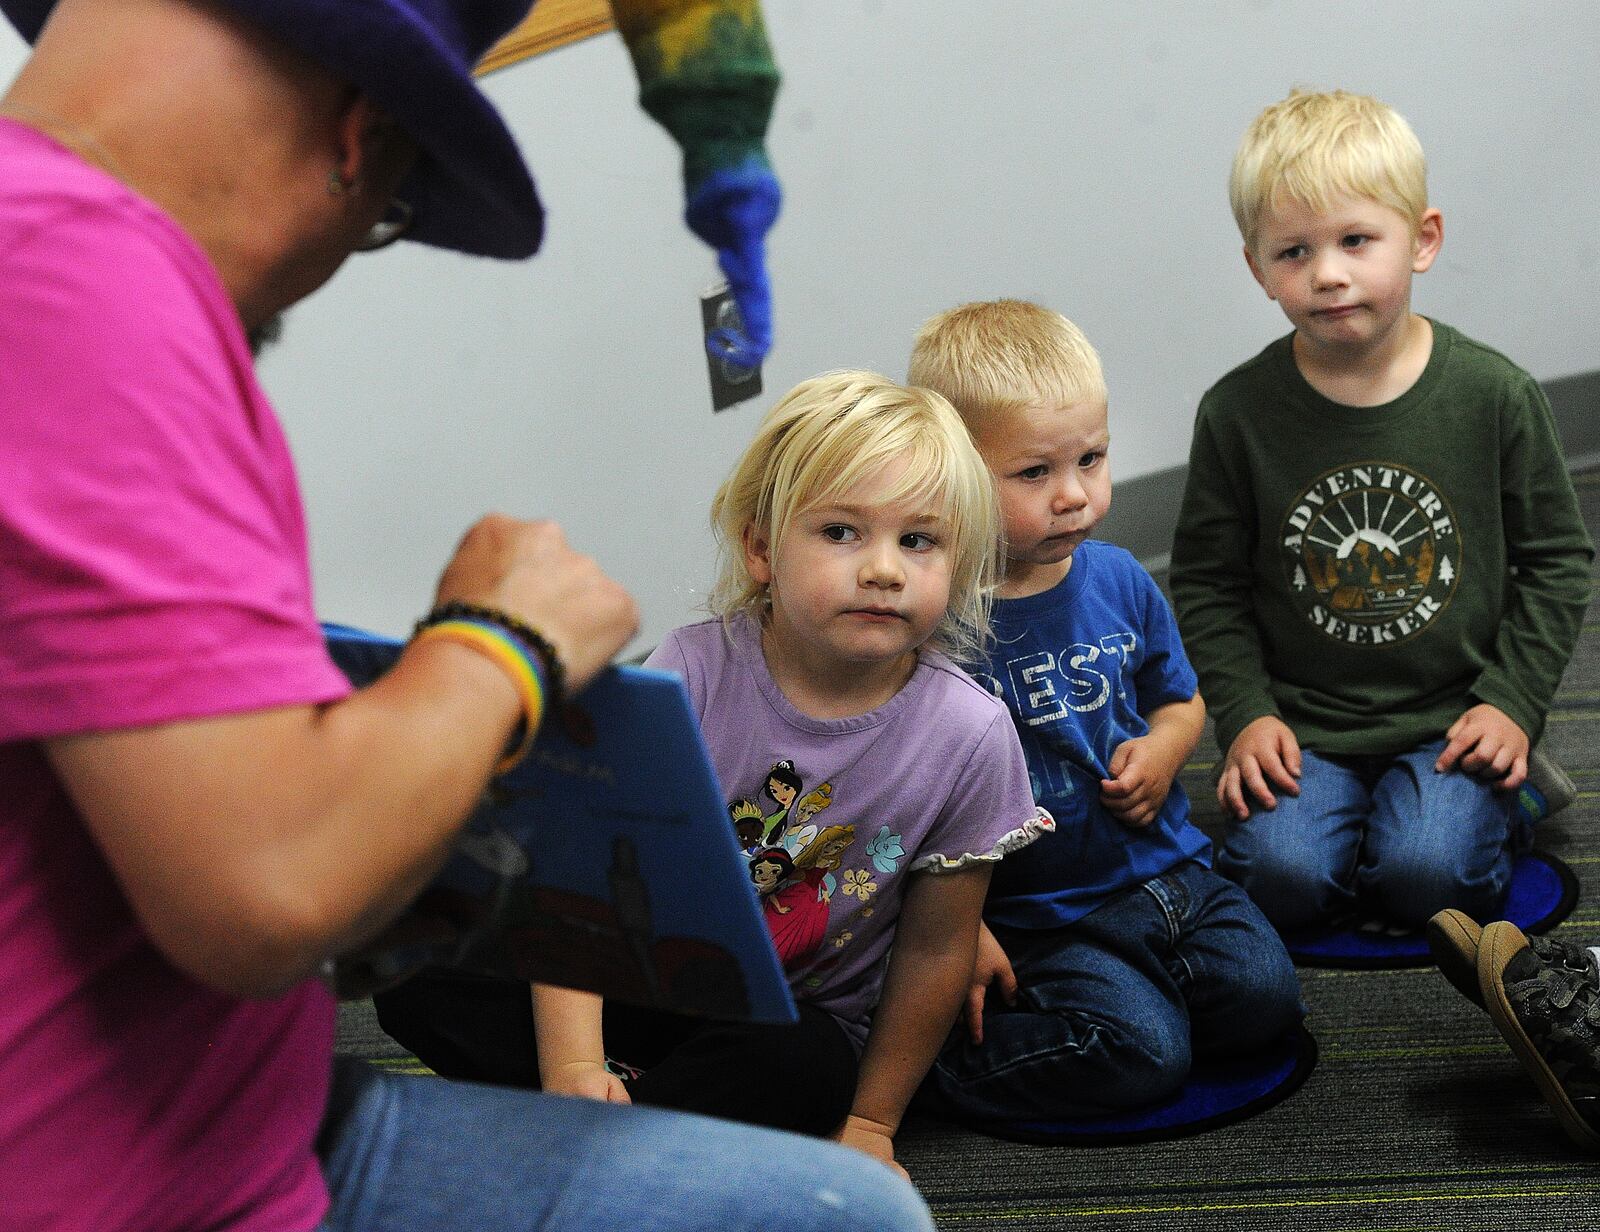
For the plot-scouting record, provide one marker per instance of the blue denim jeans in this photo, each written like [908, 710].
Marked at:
[1388, 833]
[1112, 1008]
[406, 1153]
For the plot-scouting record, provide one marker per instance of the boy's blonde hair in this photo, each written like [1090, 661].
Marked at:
[1311, 148]
[829, 433]
[996, 357]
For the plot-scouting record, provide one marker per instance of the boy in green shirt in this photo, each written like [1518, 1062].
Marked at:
[1380, 568]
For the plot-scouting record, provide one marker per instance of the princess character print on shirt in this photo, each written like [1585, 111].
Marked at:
[802, 829]
[793, 865]
[821, 856]
[748, 824]
[782, 787]
[797, 915]
[796, 918]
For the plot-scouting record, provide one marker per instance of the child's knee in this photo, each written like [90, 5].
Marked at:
[1252, 1004]
[1409, 887]
[1292, 888]
[1143, 1064]
[1044, 1063]
[1269, 1004]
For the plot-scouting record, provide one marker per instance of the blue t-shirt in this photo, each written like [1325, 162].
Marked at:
[1079, 666]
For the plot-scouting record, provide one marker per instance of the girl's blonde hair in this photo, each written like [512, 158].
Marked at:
[831, 432]
[1311, 148]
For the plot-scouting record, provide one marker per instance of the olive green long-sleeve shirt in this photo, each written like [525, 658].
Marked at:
[1369, 573]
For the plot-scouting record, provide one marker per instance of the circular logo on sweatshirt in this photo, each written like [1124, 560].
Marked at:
[1372, 553]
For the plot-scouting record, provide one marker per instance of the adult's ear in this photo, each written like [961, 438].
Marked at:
[1430, 238]
[757, 555]
[361, 126]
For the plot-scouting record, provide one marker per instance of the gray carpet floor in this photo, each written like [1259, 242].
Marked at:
[1416, 1119]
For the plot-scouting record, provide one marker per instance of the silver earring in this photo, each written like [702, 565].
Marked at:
[338, 185]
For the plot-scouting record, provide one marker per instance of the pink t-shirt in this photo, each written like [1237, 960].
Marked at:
[153, 567]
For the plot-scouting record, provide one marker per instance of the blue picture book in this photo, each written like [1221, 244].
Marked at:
[604, 861]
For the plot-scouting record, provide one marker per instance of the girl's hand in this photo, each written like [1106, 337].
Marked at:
[586, 1080]
[992, 967]
[1263, 756]
[871, 1138]
[1487, 744]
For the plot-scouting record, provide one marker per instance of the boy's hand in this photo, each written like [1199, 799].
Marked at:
[872, 1138]
[586, 1080]
[1486, 744]
[1142, 776]
[1263, 756]
[992, 967]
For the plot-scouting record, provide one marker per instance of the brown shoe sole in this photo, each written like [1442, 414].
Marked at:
[1501, 942]
[1453, 940]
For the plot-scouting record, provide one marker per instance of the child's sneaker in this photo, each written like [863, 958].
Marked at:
[1453, 941]
[1548, 789]
[1454, 938]
[1550, 1016]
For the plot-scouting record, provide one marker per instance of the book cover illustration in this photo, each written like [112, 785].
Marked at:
[604, 861]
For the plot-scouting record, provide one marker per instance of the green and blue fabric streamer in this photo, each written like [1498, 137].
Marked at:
[706, 75]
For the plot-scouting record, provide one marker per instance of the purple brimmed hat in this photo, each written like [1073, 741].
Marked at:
[470, 190]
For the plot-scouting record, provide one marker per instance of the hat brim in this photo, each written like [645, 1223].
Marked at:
[470, 190]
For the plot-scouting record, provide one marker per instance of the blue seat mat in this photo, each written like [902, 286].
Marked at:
[1543, 893]
[1218, 1093]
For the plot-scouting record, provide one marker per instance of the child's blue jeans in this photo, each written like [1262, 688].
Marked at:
[1388, 832]
[407, 1153]
[1112, 1008]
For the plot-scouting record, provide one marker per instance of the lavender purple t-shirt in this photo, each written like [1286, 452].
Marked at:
[153, 567]
[835, 813]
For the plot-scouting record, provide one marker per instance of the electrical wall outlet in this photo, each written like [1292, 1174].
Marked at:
[731, 383]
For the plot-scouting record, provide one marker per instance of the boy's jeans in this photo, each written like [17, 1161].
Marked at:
[1111, 1008]
[407, 1153]
[1388, 831]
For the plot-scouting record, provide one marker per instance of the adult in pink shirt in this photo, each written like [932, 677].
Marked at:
[195, 811]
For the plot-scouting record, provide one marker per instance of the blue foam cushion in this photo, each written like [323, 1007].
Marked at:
[1543, 892]
[1219, 1092]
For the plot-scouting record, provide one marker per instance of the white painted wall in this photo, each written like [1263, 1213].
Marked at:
[932, 151]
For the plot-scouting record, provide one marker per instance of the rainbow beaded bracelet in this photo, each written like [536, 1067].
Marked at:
[525, 666]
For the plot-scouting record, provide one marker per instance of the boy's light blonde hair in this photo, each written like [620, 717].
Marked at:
[996, 357]
[826, 435]
[1311, 148]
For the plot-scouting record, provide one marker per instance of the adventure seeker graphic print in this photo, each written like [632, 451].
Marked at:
[1372, 552]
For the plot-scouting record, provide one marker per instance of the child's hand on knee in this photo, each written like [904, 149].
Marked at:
[1265, 755]
[1486, 744]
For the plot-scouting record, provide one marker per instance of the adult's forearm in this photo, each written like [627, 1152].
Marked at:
[252, 846]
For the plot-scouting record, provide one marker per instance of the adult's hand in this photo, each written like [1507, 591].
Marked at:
[528, 570]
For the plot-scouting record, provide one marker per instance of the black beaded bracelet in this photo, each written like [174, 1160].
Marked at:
[556, 675]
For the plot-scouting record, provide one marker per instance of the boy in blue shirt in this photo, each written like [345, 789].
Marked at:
[1117, 953]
